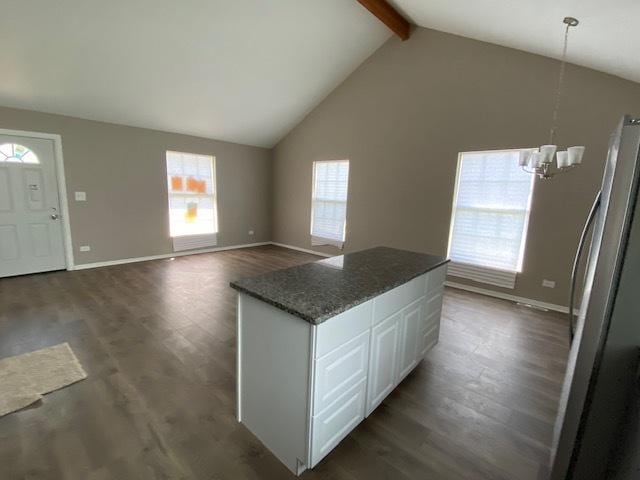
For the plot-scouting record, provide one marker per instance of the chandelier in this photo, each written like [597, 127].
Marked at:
[540, 161]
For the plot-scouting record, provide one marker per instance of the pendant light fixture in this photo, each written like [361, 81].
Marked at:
[540, 161]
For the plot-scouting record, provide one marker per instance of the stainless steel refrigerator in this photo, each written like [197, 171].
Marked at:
[602, 371]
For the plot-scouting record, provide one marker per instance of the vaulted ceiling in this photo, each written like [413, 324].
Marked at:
[244, 71]
[607, 38]
[247, 71]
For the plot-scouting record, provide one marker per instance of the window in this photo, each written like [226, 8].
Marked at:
[193, 213]
[14, 153]
[490, 216]
[329, 202]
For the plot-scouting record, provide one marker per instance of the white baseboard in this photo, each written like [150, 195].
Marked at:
[506, 296]
[84, 266]
[300, 249]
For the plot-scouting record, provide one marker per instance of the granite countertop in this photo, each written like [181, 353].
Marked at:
[320, 290]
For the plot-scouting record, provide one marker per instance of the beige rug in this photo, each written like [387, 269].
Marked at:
[25, 378]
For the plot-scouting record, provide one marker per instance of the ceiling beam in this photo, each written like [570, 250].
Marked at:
[389, 16]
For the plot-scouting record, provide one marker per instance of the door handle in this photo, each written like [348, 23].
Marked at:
[55, 216]
[576, 260]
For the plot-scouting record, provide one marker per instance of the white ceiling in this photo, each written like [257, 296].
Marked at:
[607, 39]
[248, 71]
[238, 70]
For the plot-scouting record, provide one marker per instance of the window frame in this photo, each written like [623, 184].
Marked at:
[525, 230]
[317, 240]
[18, 160]
[190, 241]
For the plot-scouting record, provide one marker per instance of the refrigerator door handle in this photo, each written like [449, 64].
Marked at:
[576, 260]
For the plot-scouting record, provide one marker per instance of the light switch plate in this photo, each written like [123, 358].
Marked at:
[81, 196]
[549, 283]
[85, 248]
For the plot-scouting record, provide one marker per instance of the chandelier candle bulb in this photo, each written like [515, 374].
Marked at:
[535, 159]
[575, 155]
[525, 155]
[563, 159]
[547, 152]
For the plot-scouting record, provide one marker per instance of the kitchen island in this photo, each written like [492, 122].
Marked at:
[321, 345]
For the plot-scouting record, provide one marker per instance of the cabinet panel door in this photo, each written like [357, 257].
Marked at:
[383, 370]
[412, 322]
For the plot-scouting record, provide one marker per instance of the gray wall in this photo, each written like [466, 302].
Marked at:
[123, 171]
[403, 116]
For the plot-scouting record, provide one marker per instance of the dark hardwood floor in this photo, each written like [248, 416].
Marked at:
[157, 340]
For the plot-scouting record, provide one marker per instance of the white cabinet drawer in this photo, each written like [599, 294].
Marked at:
[394, 300]
[340, 370]
[436, 278]
[337, 421]
[429, 339]
[342, 328]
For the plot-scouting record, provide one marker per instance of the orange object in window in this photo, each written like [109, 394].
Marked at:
[176, 184]
[192, 184]
[202, 186]
[192, 212]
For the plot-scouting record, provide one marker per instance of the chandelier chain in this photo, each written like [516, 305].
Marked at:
[556, 108]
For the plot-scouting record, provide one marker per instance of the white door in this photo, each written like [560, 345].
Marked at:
[409, 337]
[383, 371]
[31, 235]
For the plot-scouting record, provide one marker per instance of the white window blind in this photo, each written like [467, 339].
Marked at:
[329, 202]
[490, 217]
[193, 212]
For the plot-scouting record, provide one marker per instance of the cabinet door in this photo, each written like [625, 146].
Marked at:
[383, 363]
[410, 338]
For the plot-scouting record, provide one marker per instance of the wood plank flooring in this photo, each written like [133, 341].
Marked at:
[157, 340]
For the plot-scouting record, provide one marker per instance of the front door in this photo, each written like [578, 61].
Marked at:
[31, 236]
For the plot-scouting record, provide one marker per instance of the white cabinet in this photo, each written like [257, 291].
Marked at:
[383, 360]
[412, 323]
[303, 387]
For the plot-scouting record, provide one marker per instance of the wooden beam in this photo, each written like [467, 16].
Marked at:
[389, 16]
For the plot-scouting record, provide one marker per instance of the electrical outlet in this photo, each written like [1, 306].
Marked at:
[85, 248]
[548, 283]
[81, 196]
[250, 232]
